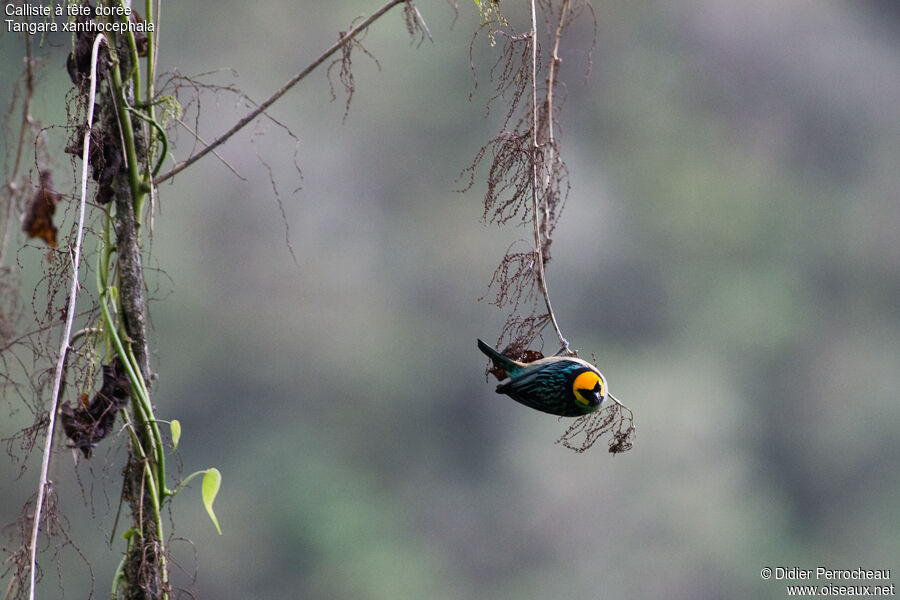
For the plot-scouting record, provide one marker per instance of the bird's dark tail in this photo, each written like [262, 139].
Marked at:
[498, 359]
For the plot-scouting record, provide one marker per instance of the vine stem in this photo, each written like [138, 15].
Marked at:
[344, 40]
[555, 60]
[70, 316]
[142, 407]
[535, 150]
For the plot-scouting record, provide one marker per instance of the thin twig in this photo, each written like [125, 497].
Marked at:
[70, 316]
[26, 120]
[345, 39]
[38, 329]
[205, 143]
[422, 22]
[535, 149]
[555, 60]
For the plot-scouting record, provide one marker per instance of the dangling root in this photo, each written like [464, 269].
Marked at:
[584, 432]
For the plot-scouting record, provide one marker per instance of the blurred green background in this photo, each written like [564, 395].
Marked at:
[729, 253]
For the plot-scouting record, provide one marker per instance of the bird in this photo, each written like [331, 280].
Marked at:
[559, 385]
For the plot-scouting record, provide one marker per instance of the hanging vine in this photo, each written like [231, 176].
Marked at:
[528, 184]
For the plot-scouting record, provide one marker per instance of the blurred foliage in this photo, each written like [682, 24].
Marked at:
[729, 254]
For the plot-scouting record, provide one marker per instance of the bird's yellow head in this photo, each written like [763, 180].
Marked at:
[589, 389]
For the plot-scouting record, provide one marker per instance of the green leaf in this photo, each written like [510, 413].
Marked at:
[211, 482]
[175, 427]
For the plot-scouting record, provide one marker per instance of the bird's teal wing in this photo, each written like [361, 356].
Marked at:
[543, 376]
[546, 387]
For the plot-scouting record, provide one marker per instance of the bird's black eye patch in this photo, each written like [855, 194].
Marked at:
[584, 387]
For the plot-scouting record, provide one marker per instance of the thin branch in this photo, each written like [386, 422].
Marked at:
[70, 316]
[535, 149]
[422, 21]
[12, 185]
[345, 39]
[216, 154]
[35, 331]
[555, 60]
